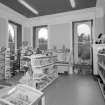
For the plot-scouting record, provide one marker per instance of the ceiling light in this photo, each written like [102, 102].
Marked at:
[72, 2]
[24, 3]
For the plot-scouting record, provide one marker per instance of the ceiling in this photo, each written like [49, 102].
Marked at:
[47, 7]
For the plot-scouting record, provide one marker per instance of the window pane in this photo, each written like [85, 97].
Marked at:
[43, 38]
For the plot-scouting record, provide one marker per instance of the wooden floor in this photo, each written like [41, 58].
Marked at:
[74, 90]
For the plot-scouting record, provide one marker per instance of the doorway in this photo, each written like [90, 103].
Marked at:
[82, 46]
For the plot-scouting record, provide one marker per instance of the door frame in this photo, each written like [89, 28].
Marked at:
[90, 20]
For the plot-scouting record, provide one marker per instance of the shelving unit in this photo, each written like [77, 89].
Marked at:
[10, 64]
[101, 70]
[101, 87]
[96, 48]
[44, 71]
[62, 61]
[102, 77]
[103, 66]
[2, 66]
[7, 64]
[15, 62]
[44, 65]
[23, 64]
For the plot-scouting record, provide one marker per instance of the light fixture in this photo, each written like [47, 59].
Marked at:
[25, 4]
[72, 2]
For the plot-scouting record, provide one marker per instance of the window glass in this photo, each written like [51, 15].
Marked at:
[11, 33]
[43, 38]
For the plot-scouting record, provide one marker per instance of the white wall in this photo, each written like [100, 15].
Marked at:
[10, 14]
[60, 25]
[59, 35]
[63, 20]
[27, 34]
[3, 32]
[5, 15]
[100, 17]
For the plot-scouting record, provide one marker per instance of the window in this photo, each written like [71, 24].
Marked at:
[84, 31]
[41, 39]
[12, 32]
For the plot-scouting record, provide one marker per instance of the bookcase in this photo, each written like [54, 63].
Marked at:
[101, 69]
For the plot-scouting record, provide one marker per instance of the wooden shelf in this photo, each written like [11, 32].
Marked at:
[40, 77]
[51, 73]
[101, 65]
[41, 89]
[103, 79]
[47, 75]
[101, 88]
[41, 57]
[101, 68]
[43, 65]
